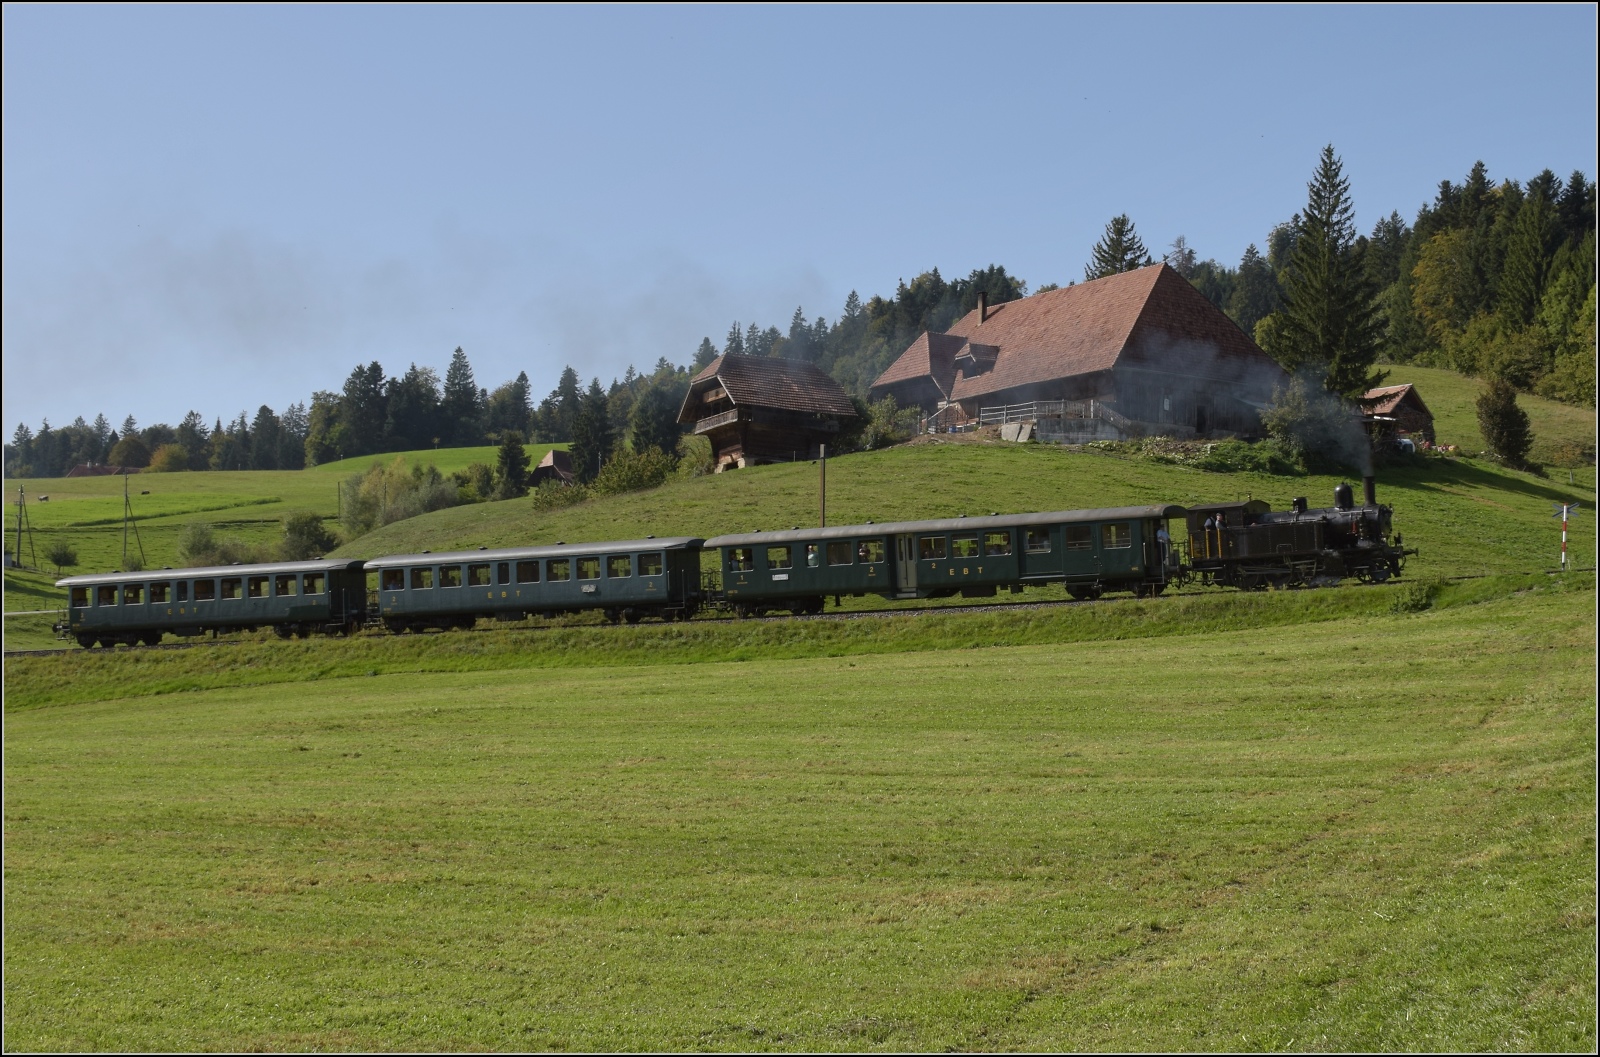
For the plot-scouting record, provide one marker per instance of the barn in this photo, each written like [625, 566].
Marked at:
[1138, 353]
[760, 409]
[1394, 411]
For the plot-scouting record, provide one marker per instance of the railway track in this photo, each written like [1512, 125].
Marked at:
[724, 617]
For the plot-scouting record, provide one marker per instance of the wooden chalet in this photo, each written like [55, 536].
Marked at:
[759, 409]
[1394, 411]
[1142, 352]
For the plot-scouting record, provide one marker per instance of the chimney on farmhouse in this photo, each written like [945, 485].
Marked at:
[983, 306]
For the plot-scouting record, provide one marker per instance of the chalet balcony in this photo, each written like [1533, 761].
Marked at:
[706, 425]
[766, 416]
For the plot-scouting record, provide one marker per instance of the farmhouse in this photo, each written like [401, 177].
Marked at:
[759, 409]
[1138, 353]
[1394, 411]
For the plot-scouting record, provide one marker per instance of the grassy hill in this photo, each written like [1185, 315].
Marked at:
[1558, 429]
[1349, 819]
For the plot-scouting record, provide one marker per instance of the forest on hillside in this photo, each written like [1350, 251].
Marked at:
[1493, 278]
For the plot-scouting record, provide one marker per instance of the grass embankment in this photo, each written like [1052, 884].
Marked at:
[1370, 831]
[1452, 399]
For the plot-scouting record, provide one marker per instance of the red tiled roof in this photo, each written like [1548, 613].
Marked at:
[769, 381]
[931, 356]
[1384, 400]
[1133, 318]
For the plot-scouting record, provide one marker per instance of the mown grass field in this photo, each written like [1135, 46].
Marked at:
[1343, 829]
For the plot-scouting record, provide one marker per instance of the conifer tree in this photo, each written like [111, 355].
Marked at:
[462, 402]
[1329, 319]
[1503, 424]
[511, 466]
[703, 356]
[591, 434]
[1120, 250]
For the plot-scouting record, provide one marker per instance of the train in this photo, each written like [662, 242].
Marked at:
[1244, 545]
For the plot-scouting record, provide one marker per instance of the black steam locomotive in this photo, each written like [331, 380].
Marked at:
[1250, 546]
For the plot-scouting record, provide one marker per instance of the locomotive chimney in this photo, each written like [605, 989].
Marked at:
[983, 306]
[1369, 489]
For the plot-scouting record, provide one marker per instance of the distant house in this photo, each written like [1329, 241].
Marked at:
[1142, 352]
[760, 409]
[89, 469]
[1396, 410]
[555, 466]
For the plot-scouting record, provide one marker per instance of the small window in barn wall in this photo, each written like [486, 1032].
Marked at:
[394, 579]
[779, 558]
[997, 543]
[560, 569]
[1116, 537]
[964, 546]
[1078, 537]
[421, 579]
[931, 547]
[651, 564]
[528, 572]
[1038, 541]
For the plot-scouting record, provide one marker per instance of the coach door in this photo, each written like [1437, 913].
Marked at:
[905, 563]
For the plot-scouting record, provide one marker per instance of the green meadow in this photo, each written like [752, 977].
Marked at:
[1359, 818]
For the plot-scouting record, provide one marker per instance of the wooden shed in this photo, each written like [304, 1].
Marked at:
[759, 409]
[1394, 411]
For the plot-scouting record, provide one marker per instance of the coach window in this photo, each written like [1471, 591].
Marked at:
[997, 543]
[504, 573]
[931, 547]
[1116, 537]
[839, 552]
[161, 593]
[871, 552]
[313, 583]
[779, 558]
[528, 572]
[106, 595]
[741, 559]
[619, 566]
[560, 569]
[478, 575]
[1038, 541]
[588, 568]
[813, 556]
[1078, 537]
[205, 590]
[281, 585]
[394, 579]
[183, 590]
[256, 586]
[133, 594]
[80, 597]
[449, 576]
[421, 578]
[964, 546]
[650, 564]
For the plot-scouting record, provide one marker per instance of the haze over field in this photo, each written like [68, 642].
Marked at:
[204, 204]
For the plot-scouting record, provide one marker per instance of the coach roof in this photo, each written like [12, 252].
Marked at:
[953, 524]
[557, 550]
[201, 573]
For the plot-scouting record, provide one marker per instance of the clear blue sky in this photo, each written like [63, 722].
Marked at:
[216, 208]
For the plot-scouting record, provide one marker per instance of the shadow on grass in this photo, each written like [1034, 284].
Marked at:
[1439, 473]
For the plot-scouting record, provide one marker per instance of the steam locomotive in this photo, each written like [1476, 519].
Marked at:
[1087, 552]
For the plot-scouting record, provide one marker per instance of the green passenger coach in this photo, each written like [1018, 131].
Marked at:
[624, 580]
[1087, 551]
[290, 597]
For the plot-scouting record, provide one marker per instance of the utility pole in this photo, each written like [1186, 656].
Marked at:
[823, 464]
[127, 519]
[23, 524]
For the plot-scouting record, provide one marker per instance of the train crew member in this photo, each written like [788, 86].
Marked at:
[1163, 543]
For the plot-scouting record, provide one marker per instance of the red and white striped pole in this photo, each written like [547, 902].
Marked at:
[1565, 511]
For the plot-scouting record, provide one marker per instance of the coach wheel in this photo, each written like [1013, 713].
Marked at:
[86, 641]
[613, 616]
[1142, 591]
[151, 638]
[1084, 593]
[283, 631]
[631, 615]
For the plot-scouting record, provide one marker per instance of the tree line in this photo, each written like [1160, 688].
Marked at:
[1492, 279]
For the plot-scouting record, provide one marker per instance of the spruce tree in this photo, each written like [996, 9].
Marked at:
[511, 466]
[1329, 318]
[1503, 424]
[1534, 237]
[654, 422]
[1120, 250]
[703, 356]
[462, 403]
[591, 434]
